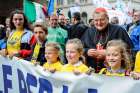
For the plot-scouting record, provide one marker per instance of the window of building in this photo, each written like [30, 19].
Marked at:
[71, 2]
[60, 2]
[83, 1]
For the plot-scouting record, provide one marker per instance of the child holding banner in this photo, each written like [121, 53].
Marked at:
[52, 53]
[136, 73]
[137, 63]
[117, 59]
[74, 51]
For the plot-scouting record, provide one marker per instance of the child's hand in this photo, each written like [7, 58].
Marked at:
[52, 70]
[36, 63]
[44, 69]
[11, 55]
[92, 53]
[76, 72]
[90, 71]
[135, 75]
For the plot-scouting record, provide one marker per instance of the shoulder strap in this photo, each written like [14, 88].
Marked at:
[103, 71]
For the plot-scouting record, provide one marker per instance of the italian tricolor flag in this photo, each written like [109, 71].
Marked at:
[34, 11]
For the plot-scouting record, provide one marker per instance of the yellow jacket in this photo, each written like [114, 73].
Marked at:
[108, 73]
[70, 68]
[137, 63]
[56, 65]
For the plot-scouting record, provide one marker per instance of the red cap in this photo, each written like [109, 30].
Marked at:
[100, 9]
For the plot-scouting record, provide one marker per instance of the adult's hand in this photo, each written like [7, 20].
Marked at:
[100, 54]
[92, 53]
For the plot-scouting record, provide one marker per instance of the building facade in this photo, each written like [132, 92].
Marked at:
[87, 6]
[6, 6]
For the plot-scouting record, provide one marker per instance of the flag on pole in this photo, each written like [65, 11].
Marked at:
[33, 11]
[52, 7]
[40, 16]
[29, 10]
[44, 8]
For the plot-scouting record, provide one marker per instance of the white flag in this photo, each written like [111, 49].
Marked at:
[101, 3]
[40, 16]
[74, 9]
[120, 5]
[129, 8]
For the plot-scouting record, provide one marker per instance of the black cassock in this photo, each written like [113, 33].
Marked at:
[92, 37]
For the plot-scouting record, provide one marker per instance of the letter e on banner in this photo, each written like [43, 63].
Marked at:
[7, 70]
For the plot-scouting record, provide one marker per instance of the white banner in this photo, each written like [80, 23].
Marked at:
[18, 76]
[75, 8]
[102, 3]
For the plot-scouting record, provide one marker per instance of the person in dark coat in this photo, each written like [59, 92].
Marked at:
[62, 22]
[78, 28]
[96, 38]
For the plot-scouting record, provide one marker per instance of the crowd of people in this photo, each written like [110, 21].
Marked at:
[58, 44]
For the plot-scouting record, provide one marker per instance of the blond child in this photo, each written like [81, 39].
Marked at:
[117, 59]
[52, 52]
[74, 55]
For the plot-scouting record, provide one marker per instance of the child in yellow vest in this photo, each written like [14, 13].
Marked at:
[117, 59]
[52, 52]
[74, 51]
[136, 73]
[137, 63]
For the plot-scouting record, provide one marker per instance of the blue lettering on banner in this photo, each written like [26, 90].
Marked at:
[65, 89]
[25, 83]
[45, 85]
[92, 91]
[31, 81]
[7, 70]
[22, 83]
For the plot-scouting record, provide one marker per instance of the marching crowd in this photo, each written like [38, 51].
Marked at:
[58, 44]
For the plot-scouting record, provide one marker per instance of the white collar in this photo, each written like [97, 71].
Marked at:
[78, 63]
